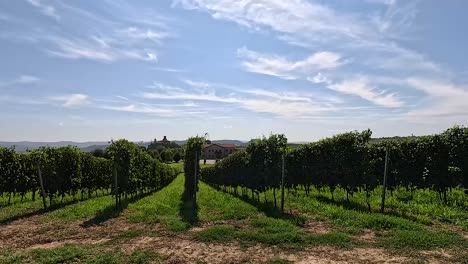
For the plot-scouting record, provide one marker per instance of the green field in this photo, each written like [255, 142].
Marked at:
[151, 229]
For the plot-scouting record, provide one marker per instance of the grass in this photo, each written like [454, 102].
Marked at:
[408, 224]
[161, 207]
[129, 234]
[165, 207]
[290, 237]
[402, 212]
[79, 254]
[66, 209]
[82, 209]
[425, 240]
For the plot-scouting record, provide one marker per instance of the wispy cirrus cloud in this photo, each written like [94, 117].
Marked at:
[101, 37]
[281, 104]
[279, 66]
[46, 9]
[446, 101]
[22, 79]
[360, 86]
[72, 100]
[368, 41]
[138, 34]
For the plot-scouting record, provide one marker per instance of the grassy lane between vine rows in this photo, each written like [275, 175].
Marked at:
[229, 229]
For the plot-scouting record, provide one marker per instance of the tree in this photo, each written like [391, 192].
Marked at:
[98, 153]
[167, 155]
[177, 157]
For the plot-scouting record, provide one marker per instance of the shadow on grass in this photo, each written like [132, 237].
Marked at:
[36, 212]
[187, 210]
[111, 211]
[350, 205]
[268, 208]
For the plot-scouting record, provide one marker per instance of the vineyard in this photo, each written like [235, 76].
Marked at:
[270, 203]
[348, 161]
[59, 172]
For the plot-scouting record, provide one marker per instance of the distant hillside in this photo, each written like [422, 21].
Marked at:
[221, 141]
[23, 146]
[375, 140]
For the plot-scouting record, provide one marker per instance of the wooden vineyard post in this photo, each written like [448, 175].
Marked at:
[195, 181]
[382, 207]
[282, 185]
[116, 187]
[41, 182]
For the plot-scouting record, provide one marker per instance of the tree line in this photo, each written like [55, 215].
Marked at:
[67, 171]
[348, 161]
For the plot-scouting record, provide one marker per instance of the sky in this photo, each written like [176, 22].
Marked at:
[95, 70]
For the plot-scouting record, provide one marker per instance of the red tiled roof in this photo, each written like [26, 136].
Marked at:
[221, 145]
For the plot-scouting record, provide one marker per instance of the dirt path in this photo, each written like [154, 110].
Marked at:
[40, 232]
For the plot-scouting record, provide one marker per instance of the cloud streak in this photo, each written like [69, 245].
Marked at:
[73, 100]
[46, 9]
[279, 66]
[360, 86]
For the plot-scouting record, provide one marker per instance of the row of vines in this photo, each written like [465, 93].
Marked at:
[67, 171]
[350, 161]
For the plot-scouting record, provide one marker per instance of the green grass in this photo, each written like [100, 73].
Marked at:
[83, 209]
[216, 206]
[129, 234]
[143, 257]
[79, 254]
[407, 225]
[424, 208]
[422, 240]
[161, 207]
[165, 206]
[284, 236]
[67, 209]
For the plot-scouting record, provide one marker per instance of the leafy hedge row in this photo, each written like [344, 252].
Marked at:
[349, 161]
[68, 171]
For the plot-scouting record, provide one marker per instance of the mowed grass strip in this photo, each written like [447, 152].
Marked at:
[166, 207]
[79, 254]
[161, 207]
[422, 240]
[402, 211]
[83, 209]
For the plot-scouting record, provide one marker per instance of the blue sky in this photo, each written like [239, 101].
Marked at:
[95, 70]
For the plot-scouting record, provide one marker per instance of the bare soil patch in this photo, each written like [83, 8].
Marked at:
[41, 232]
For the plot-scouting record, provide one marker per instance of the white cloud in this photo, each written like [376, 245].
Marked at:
[99, 49]
[382, 2]
[279, 66]
[447, 102]
[360, 86]
[282, 104]
[290, 17]
[202, 85]
[82, 50]
[168, 69]
[46, 9]
[73, 100]
[138, 34]
[319, 78]
[283, 108]
[145, 109]
[25, 79]
[285, 96]
[22, 79]
[371, 40]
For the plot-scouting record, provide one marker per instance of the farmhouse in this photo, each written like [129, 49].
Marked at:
[218, 151]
